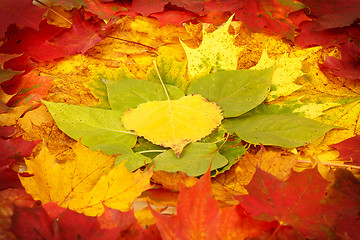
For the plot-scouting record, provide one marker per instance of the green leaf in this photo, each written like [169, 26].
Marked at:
[232, 150]
[95, 126]
[280, 130]
[171, 71]
[111, 148]
[194, 161]
[236, 92]
[133, 161]
[129, 93]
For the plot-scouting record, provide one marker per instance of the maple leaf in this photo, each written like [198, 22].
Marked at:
[199, 217]
[287, 70]
[21, 12]
[81, 36]
[174, 123]
[271, 14]
[212, 56]
[81, 186]
[270, 199]
[349, 148]
[349, 64]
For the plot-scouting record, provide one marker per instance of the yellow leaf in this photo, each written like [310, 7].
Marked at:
[216, 51]
[73, 183]
[174, 123]
[287, 70]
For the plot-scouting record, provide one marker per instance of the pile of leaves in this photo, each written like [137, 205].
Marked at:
[179, 119]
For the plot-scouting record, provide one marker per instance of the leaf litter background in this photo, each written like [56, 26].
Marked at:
[61, 58]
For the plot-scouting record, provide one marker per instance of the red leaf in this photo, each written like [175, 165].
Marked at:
[9, 198]
[347, 219]
[199, 217]
[20, 12]
[270, 14]
[12, 149]
[73, 225]
[31, 223]
[33, 88]
[147, 7]
[175, 17]
[348, 66]
[298, 202]
[127, 225]
[333, 14]
[349, 148]
[81, 36]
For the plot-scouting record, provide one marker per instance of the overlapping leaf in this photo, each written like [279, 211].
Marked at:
[85, 184]
[174, 123]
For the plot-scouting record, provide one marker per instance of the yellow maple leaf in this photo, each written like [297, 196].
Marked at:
[216, 51]
[174, 123]
[287, 70]
[86, 183]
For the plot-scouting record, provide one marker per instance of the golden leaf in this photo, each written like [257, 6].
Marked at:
[85, 183]
[174, 123]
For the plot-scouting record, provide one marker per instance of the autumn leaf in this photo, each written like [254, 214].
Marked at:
[22, 12]
[199, 217]
[81, 186]
[270, 199]
[347, 66]
[174, 123]
[212, 56]
[349, 148]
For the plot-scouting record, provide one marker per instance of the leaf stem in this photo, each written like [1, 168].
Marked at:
[128, 41]
[332, 164]
[162, 83]
[152, 151]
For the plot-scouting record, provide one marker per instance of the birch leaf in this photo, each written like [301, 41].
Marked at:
[216, 51]
[174, 123]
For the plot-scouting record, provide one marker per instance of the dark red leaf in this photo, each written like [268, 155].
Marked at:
[81, 36]
[147, 7]
[298, 202]
[348, 66]
[31, 223]
[333, 13]
[309, 35]
[12, 149]
[349, 148]
[347, 219]
[73, 225]
[20, 12]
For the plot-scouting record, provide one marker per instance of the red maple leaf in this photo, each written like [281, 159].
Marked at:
[81, 36]
[298, 202]
[349, 148]
[12, 150]
[348, 66]
[268, 15]
[20, 12]
[199, 217]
